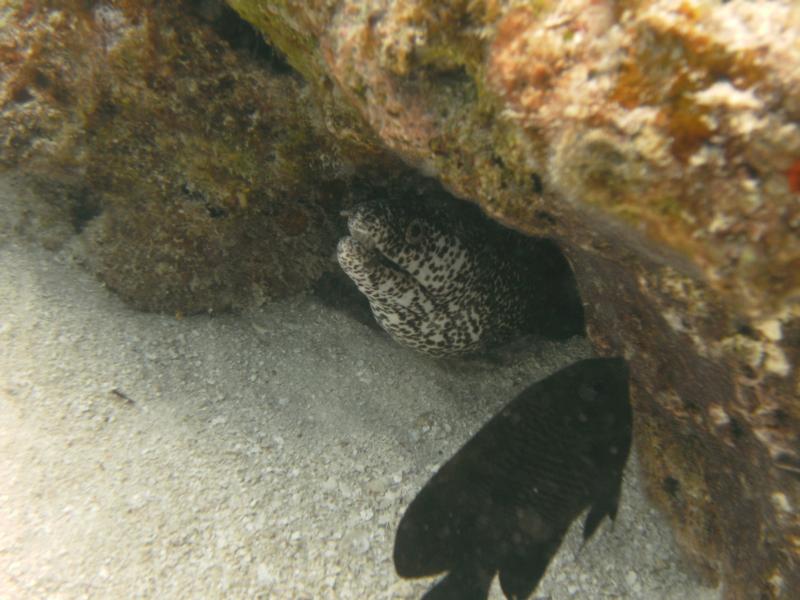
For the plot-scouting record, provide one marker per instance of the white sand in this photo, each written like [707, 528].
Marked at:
[263, 455]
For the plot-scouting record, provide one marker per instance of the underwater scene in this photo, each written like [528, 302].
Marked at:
[400, 299]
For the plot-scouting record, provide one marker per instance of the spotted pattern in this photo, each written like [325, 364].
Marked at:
[433, 280]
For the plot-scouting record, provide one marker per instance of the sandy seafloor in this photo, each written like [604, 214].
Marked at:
[261, 455]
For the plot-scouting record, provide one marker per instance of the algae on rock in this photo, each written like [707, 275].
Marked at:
[211, 174]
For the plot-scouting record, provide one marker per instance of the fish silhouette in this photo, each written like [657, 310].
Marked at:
[504, 502]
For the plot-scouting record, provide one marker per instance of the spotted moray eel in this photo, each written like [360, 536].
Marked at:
[446, 284]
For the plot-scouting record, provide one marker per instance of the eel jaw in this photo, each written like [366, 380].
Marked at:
[361, 236]
[363, 244]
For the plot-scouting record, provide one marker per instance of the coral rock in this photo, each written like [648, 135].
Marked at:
[205, 177]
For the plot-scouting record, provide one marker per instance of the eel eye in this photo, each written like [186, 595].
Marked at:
[414, 232]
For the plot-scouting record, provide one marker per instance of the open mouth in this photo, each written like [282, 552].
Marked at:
[362, 237]
[362, 261]
[367, 244]
[389, 263]
[370, 253]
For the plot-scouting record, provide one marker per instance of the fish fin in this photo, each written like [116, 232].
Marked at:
[607, 507]
[592, 522]
[521, 572]
[462, 583]
[420, 551]
[436, 532]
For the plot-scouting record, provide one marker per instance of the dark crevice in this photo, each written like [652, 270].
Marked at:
[215, 212]
[736, 429]
[671, 486]
[746, 330]
[546, 217]
[538, 186]
[84, 209]
[240, 35]
[21, 96]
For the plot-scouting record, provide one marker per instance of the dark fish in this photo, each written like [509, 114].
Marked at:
[505, 500]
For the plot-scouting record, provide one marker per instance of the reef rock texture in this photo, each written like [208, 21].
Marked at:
[656, 141]
[659, 143]
[182, 148]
